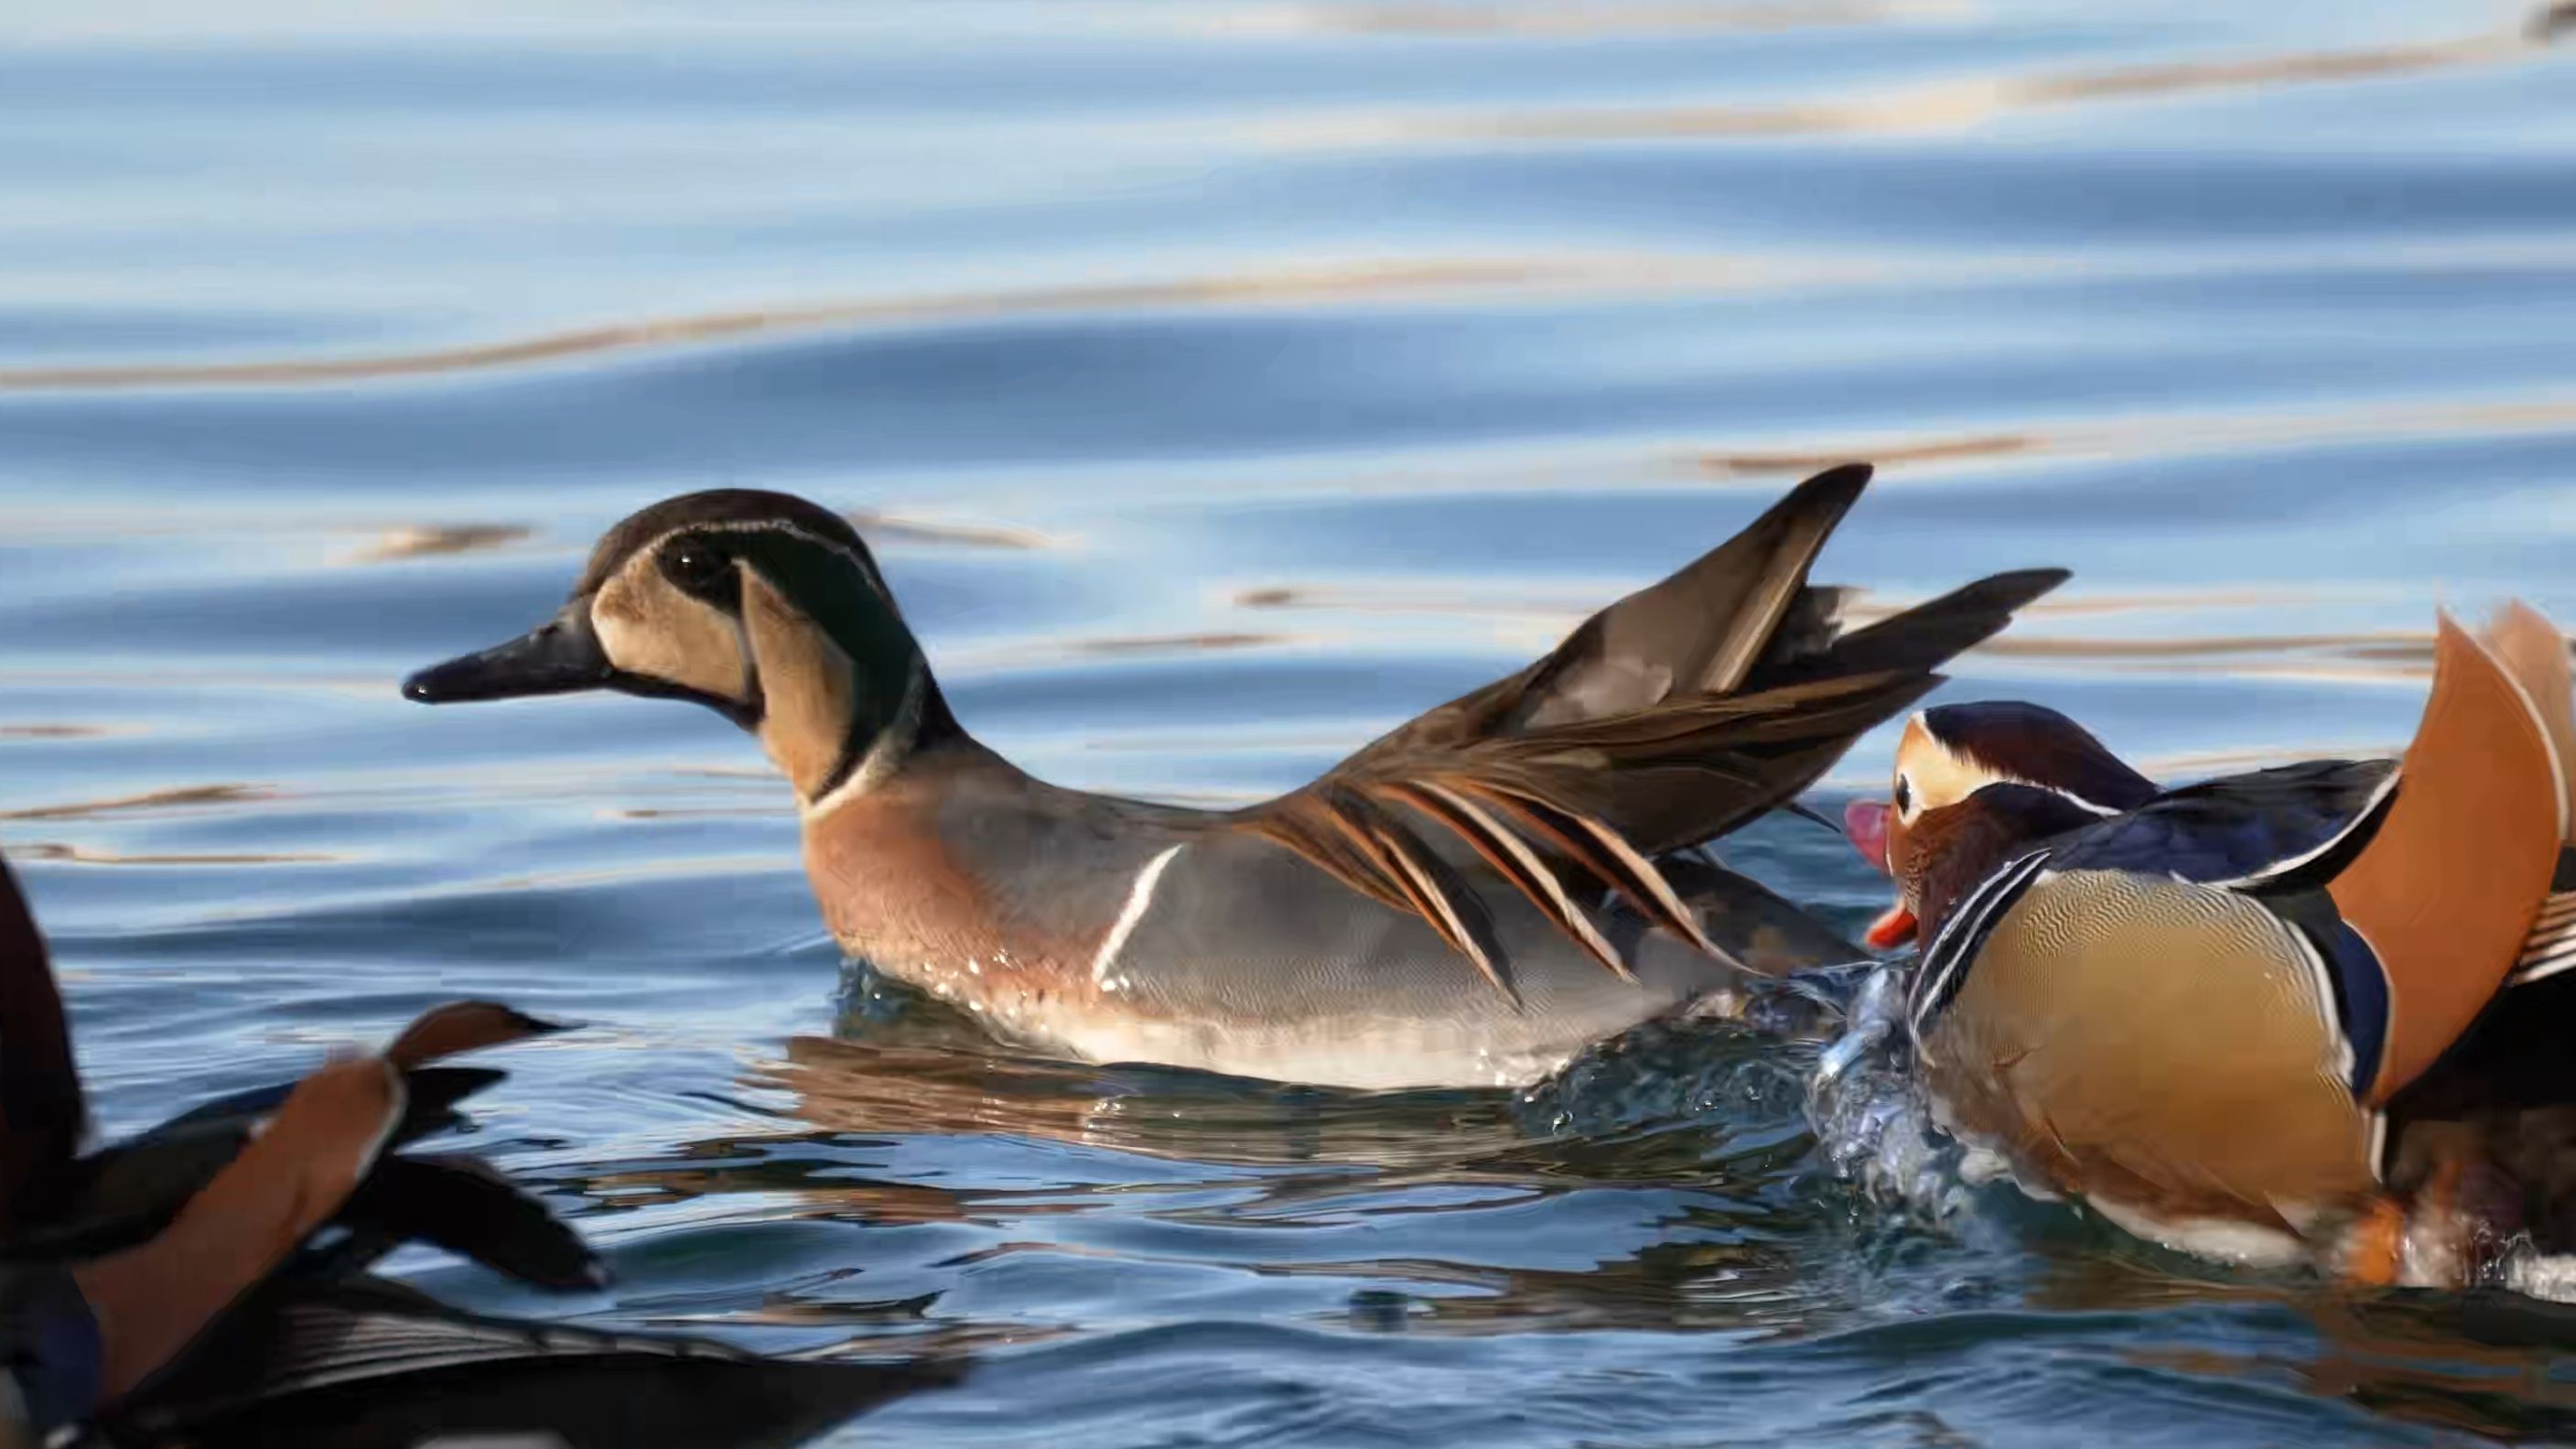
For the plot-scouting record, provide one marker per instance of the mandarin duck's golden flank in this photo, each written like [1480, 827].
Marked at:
[2309, 1011]
[1469, 899]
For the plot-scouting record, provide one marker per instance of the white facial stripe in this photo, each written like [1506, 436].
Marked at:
[864, 564]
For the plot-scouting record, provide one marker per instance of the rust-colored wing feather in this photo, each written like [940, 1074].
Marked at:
[1669, 718]
[2447, 890]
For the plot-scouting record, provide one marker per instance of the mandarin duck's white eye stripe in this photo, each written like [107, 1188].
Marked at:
[2015, 742]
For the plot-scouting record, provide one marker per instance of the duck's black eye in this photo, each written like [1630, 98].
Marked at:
[697, 567]
[1904, 795]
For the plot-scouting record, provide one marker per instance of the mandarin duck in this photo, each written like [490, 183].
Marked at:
[2309, 1013]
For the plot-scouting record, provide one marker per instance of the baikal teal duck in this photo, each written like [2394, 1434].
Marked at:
[1469, 899]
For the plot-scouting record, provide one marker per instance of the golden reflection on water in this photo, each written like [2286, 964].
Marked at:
[87, 855]
[963, 1087]
[882, 528]
[2384, 655]
[1345, 283]
[1308, 1157]
[2429, 1359]
[1953, 105]
[1290, 286]
[1564, 19]
[2167, 435]
[440, 540]
[182, 797]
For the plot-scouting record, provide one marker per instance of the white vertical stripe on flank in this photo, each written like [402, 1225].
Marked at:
[1139, 896]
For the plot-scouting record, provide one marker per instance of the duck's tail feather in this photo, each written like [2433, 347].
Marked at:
[1702, 629]
[1926, 636]
[1666, 720]
[2447, 890]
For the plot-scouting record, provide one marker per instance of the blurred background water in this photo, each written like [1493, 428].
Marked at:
[1222, 381]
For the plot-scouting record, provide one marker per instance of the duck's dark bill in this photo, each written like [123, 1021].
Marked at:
[557, 657]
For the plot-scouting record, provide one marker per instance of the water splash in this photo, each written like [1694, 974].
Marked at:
[1872, 1123]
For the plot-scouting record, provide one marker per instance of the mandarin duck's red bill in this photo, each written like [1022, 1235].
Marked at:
[1891, 928]
[1865, 824]
[2306, 1011]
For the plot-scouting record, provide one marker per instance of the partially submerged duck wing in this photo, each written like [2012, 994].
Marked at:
[377, 1363]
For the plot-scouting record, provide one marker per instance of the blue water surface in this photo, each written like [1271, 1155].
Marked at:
[1223, 381]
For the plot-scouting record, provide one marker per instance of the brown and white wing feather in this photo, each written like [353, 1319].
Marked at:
[1669, 718]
